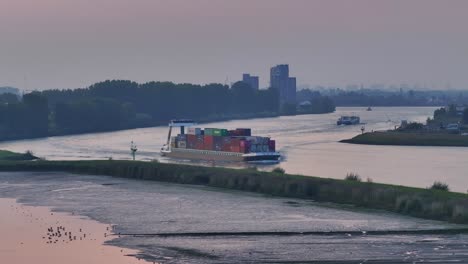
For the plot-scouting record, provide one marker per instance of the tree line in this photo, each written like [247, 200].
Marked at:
[122, 104]
[119, 104]
[313, 102]
[24, 119]
[451, 114]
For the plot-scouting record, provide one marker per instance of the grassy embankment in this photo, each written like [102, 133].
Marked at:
[410, 139]
[424, 203]
[11, 156]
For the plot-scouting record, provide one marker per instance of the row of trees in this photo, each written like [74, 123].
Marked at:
[313, 102]
[449, 115]
[92, 115]
[120, 104]
[443, 113]
[28, 118]
[465, 116]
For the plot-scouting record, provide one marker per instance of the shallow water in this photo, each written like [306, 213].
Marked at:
[142, 207]
[309, 144]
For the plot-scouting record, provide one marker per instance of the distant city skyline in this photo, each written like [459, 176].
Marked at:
[74, 43]
[251, 80]
[286, 84]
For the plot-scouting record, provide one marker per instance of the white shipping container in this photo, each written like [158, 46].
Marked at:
[194, 131]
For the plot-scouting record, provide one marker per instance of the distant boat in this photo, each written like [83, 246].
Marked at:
[348, 120]
[369, 108]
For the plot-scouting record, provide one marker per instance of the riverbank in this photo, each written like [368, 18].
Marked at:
[409, 139]
[418, 202]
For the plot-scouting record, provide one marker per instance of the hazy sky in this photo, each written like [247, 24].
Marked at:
[74, 43]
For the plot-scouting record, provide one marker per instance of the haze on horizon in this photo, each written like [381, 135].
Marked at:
[74, 43]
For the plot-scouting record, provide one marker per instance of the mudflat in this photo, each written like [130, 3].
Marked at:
[33, 234]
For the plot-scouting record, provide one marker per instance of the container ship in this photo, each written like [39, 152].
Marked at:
[348, 120]
[218, 144]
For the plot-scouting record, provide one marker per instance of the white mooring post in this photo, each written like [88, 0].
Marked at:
[133, 149]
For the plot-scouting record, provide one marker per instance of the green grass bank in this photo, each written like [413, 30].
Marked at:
[409, 139]
[8, 155]
[418, 202]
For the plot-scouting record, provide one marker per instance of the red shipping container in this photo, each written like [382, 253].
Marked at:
[226, 144]
[199, 145]
[208, 142]
[272, 145]
[226, 147]
[235, 149]
[191, 141]
[242, 143]
[235, 141]
[199, 142]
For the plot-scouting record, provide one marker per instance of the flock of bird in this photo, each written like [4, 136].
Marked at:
[60, 234]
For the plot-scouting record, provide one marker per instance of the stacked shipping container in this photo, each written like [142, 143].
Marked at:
[194, 131]
[239, 140]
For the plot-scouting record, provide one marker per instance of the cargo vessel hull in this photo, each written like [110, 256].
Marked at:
[194, 154]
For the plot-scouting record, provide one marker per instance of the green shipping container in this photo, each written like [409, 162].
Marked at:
[220, 132]
[217, 132]
[209, 131]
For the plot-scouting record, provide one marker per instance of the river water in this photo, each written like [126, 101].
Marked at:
[309, 146]
[308, 143]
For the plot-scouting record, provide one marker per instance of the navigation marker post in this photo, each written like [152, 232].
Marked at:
[133, 149]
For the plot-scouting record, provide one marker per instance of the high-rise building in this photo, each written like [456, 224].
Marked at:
[279, 79]
[251, 80]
